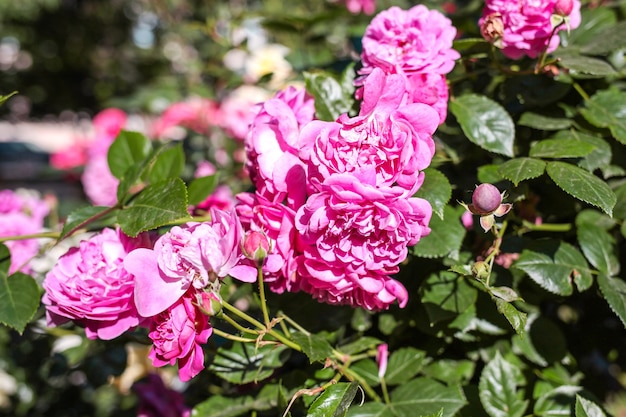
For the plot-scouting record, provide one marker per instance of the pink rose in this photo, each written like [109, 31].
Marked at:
[99, 184]
[358, 6]
[197, 114]
[411, 41]
[387, 144]
[431, 89]
[178, 334]
[272, 146]
[109, 122]
[191, 255]
[157, 400]
[90, 285]
[239, 108]
[525, 25]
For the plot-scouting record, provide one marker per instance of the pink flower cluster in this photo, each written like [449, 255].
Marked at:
[335, 198]
[417, 44]
[111, 283]
[21, 213]
[527, 27]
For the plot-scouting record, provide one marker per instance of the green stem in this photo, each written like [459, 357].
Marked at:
[293, 323]
[542, 59]
[266, 316]
[580, 91]
[237, 325]
[546, 227]
[91, 220]
[352, 376]
[495, 248]
[232, 337]
[52, 235]
[383, 385]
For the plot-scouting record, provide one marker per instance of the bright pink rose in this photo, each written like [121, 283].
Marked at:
[157, 400]
[90, 285]
[357, 234]
[109, 122]
[388, 143]
[193, 255]
[431, 89]
[411, 41]
[178, 334]
[358, 6]
[272, 146]
[197, 114]
[221, 198]
[73, 156]
[526, 25]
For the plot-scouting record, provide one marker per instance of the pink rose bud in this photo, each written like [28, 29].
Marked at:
[256, 246]
[209, 303]
[486, 199]
[381, 358]
[563, 7]
[492, 29]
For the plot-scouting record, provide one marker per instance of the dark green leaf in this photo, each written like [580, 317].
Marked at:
[614, 292]
[551, 265]
[471, 45]
[334, 401]
[428, 397]
[620, 205]
[368, 370]
[436, 189]
[201, 188]
[128, 150]
[360, 345]
[403, 365]
[587, 408]
[543, 342]
[516, 318]
[607, 108]
[557, 402]
[585, 67]
[19, 295]
[243, 363]
[169, 163]
[593, 22]
[485, 123]
[219, 406]
[371, 410]
[88, 217]
[156, 205]
[450, 371]
[314, 346]
[520, 169]
[600, 156]
[609, 40]
[599, 248]
[498, 389]
[540, 122]
[445, 237]
[489, 173]
[560, 148]
[447, 291]
[331, 100]
[582, 185]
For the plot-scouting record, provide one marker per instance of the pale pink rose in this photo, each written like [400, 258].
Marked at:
[358, 6]
[411, 41]
[90, 286]
[222, 199]
[239, 108]
[26, 202]
[197, 114]
[99, 184]
[272, 146]
[526, 25]
[387, 144]
[357, 234]
[157, 400]
[191, 255]
[178, 334]
[204, 169]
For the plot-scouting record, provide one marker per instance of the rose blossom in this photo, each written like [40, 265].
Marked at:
[526, 25]
[196, 114]
[157, 400]
[178, 334]
[90, 285]
[388, 143]
[358, 6]
[411, 41]
[191, 255]
[239, 108]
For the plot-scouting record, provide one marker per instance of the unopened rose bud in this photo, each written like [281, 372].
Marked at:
[492, 29]
[256, 246]
[382, 353]
[486, 199]
[209, 303]
[563, 7]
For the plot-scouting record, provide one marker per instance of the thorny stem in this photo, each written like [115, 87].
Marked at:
[542, 59]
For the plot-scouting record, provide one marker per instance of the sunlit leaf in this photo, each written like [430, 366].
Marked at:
[334, 401]
[498, 390]
[520, 169]
[445, 237]
[128, 150]
[313, 345]
[436, 189]
[19, 295]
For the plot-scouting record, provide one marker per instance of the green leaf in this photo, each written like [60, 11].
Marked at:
[128, 150]
[584, 67]
[334, 401]
[600, 156]
[582, 185]
[587, 408]
[371, 410]
[489, 173]
[82, 217]
[447, 291]
[609, 40]
[560, 148]
[593, 22]
[368, 370]
[620, 205]
[540, 122]
[543, 342]
[498, 389]
[19, 295]
[557, 402]
[428, 397]
[614, 292]
[404, 364]
[201, 188]
[314, 346]
[360, 345]
[516, 318]
[485, 123]
[551, 264]
[436, 189]
[155, 206]
[520, 169]
[169, 163]
[445, 237]
[331, 100]
[450, 371]
[607, 108]
[243, 363]
[8, 96]
[220, 406]
[471, 45]
[599, 248]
